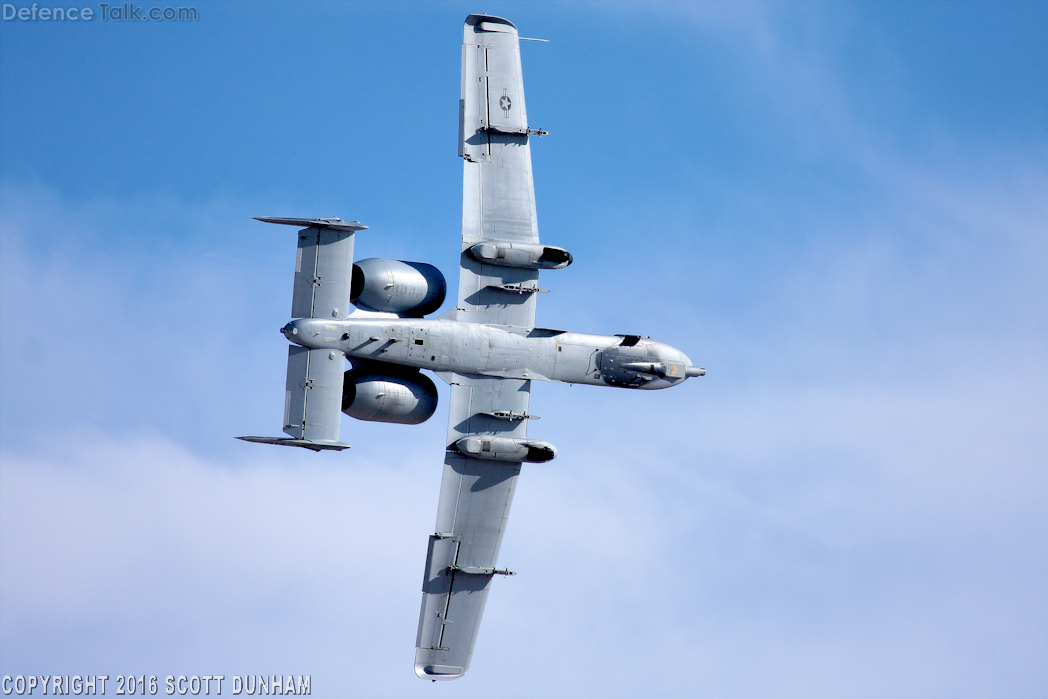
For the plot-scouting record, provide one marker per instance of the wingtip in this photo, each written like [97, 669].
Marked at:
[427, 671]
[474, 20]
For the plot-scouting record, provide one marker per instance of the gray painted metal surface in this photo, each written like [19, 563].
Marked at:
[313, 394]
[487, 348]
[475, 497]
[498, 192]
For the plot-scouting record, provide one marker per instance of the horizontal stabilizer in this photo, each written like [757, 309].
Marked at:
[313, 390]
[336, 224]
[304, 443]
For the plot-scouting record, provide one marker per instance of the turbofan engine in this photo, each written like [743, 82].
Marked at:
[382, 398]
[395, 286]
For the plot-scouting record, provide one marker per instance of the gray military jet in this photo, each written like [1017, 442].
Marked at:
[487, 347]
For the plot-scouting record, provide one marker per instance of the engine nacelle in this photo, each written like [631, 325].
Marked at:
[380, 398]
[395, 286]
[526, 255]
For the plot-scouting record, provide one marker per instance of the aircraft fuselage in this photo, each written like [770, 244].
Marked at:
[443, 345]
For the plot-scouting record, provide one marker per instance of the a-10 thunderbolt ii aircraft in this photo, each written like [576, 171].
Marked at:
[487, 348]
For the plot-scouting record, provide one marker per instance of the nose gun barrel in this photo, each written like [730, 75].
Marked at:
[695, 371]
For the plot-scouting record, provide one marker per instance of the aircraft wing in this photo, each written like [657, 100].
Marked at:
[498, 204]
[475, 497]
[498, 192]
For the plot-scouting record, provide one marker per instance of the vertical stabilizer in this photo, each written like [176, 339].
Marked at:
[313, 394]
[323, 272]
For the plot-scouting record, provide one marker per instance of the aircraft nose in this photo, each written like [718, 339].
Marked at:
[678, 364]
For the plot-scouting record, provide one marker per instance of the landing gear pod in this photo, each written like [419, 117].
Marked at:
[526, 255]
[395, 286]
[506, 449]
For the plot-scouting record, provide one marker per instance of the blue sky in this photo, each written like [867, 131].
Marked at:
[839, 209]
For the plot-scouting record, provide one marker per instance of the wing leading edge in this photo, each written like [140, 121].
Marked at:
[498, 191]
